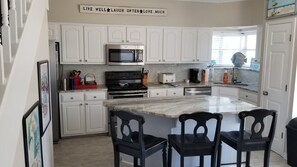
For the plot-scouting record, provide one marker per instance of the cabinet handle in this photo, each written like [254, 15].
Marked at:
[71, 98]
[246, 96]
[163, 60]
[123, 40]
[80, 104]
[80, 60]
[87, 104]
[127, 40]
[174, 93]
[157, 93]
[197, 59]
[95, 97]
[159, 60]
[193, 59]
[86, 60]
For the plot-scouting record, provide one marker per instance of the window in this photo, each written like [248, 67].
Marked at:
[225, 44]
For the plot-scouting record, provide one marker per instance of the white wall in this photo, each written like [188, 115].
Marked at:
[242, 13]
[21, 91]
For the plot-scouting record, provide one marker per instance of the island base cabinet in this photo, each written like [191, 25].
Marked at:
[95, 118]
[73, 117]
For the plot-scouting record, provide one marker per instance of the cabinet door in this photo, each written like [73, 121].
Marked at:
[204, 45]
[54, 32]
[73, 119]
[157, 92]
[248, 96]
[116, 34]
[95, 38]
[172, 44]
[189, 45]
[72, 44]
[136, 34]
[175, 92]
[154, 44]
[229, 92]
[96, 119]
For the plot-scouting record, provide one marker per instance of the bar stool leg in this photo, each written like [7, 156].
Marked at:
[213, 159]
[266, 157]
[239, 158]
[142, 161]
[219, 154]
[169, 155]
[164, 156]
[201, 161]
[135, 162]
[181, 161]
[116, 159]
[248, 158]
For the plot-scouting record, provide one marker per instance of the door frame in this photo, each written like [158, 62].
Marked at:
[291, 76]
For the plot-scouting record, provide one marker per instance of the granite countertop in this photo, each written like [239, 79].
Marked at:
[99, 88]
[250, 87]
[173, 107]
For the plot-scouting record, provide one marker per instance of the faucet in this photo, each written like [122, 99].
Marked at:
[234, 79]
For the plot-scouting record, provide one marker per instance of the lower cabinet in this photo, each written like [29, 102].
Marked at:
[224, 91]
[83, 113]
[166, 92]
[248, 96]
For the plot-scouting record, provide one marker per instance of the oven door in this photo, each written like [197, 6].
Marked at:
[127, 94]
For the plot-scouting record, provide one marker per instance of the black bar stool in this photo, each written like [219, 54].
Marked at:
[243, 141]
[196, 144]
[134, 143]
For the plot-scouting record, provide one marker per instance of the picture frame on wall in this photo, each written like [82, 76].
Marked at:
[44, 94]
[32, 137]
[280, 8]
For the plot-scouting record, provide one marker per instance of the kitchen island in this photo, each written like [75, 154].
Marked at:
[161, 118]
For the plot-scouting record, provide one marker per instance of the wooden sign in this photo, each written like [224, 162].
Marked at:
[122, 10]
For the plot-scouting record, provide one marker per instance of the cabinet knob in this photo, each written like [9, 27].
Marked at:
[123, 40]
[127, 40]
[159, 60]
[163, 60]
[197, 59]
[157, 93]
[174, 93]
[71, 98]
[80, 60]
[246, 96]
[86, 60]
[95, 97]
[193, 59]
[87, 104]
[80, 104]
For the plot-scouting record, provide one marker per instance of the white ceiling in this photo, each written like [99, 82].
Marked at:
[213, 1]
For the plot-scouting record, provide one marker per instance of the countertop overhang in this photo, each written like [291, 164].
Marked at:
[173, 107]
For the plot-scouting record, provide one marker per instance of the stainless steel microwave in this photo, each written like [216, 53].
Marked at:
[125, 54]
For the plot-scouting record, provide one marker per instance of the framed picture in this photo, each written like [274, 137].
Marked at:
[280, 8]
[32, 137]
[44, 94]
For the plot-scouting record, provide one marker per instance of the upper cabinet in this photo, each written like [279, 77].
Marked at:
[204, 45]
[154, 44]
[172, 45]
[54, 32]
[72, 44]
[95, 38]
[83, 44]
[126, 34]
[189, 45]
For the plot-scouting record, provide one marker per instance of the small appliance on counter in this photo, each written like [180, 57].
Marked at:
[166, 78]
[75, 81]
[195, 75]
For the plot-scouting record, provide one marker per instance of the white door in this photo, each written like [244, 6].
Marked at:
[116, 34]
[73, 117]
[72, 44]
[276, 72]
[154, 44]
[95, 39]
[189, 45]
[172, 44]
[204, 45]
[136, 34]
[95, 117]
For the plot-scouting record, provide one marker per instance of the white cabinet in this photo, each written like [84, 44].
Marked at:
[248, 96]
[72, 115]
[83, 113]
[72, 44]
[189, 45]
[126, 34]
[54, 32]
[204, 45]
[154, 44]
[172, 45]
[162, 92]
[225, 91]
[95, 38]
[83, 44]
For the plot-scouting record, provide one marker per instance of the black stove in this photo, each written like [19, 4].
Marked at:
[125, 84]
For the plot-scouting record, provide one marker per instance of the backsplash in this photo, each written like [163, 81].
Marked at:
[181, 71]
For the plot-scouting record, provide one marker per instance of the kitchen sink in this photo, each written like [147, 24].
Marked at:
[238, 84]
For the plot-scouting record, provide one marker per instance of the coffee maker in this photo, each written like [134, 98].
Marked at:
[195, 75]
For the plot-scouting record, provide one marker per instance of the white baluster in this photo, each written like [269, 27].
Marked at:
[19, 9]
[13, 22]
[6, 42]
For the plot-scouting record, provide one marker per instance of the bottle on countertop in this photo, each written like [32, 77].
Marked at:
[225, 77]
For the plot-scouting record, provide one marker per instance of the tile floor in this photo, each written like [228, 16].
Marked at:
[97, 151]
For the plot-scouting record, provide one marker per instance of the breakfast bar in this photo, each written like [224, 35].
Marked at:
[161, 118]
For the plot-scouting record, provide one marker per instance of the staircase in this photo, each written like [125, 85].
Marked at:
[13, 18]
